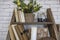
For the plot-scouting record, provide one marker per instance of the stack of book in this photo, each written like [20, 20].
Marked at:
[17, 32]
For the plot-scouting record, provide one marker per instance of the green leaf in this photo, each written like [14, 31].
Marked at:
[31, 1]
[15, 2]
[31, 7]
[35, 2]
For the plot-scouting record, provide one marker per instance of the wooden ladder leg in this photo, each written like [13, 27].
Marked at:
[8, 37]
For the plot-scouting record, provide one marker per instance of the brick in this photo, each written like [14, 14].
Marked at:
[4, 33]
[55, 13]
[6, 0]
[57, 21]
[59, 17]
[55, 6]
[55, 17]
[54, 9]
[59, 9]
[5, 15]
[41, 0]
[58, 13]
[5, 19]
[4, 30]
[5, 25]
[4, 22]
[51, 2]
[6, 10]
[45, 6]
[43, 10]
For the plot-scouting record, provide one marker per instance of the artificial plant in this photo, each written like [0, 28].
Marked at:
[31, 7]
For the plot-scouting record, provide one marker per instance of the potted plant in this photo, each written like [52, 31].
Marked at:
[28, 9]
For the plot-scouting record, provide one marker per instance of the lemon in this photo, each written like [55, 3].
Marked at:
[26, 7]
[18, 2]
[35, 8]
[31, 4]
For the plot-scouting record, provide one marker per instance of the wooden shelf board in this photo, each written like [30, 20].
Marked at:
[33, 23]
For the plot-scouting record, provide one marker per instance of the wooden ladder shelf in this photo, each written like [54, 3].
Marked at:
[16, 29]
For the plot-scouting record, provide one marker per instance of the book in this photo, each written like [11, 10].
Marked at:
[11, 33]
[33, 33]
[21, 29]
[15, 32]
[21, 16]
[19, 33]
[16, 15]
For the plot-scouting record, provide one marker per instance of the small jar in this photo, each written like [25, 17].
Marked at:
[39, 17]
[43, 17]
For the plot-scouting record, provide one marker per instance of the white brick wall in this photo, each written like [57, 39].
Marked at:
[6, 8]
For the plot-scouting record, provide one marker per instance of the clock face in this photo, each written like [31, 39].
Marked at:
[42, 32]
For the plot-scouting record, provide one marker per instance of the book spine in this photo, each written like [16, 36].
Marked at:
[33, 33]
[14, 30]
[22, 18]
[16, 15]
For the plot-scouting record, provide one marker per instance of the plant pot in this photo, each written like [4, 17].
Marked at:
[29, 17]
